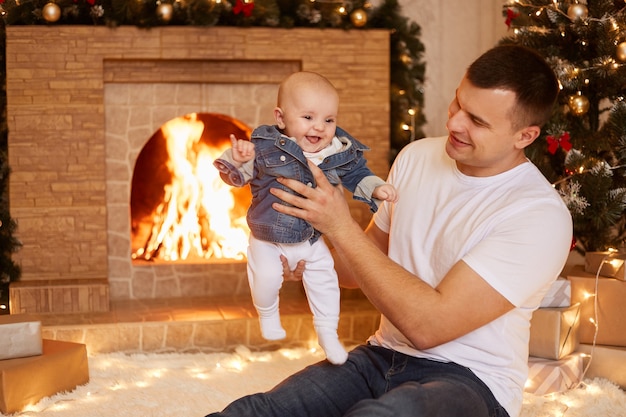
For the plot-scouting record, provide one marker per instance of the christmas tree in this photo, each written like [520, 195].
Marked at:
[582, 150]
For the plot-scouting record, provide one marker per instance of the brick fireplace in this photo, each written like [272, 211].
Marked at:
[83, 101]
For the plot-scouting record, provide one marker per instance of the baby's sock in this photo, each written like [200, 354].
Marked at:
[329, 341]
[269, 318]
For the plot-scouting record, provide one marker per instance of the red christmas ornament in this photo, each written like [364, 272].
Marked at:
[562, 141]
[244, 7]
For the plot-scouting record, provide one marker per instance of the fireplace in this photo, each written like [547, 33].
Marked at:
[180, 209]
[84, 102]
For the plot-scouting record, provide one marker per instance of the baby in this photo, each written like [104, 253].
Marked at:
[306, 129]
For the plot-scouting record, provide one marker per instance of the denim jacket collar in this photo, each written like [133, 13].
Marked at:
[290, 146]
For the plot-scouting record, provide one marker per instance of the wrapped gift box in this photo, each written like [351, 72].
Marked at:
[559, 294]
[546, 376]
[21, 337]
[24, 381]
[607, 362]
[611, 309]
[554, 331]
[606, 264]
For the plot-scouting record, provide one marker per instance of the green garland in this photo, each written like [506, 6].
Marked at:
[407, 67]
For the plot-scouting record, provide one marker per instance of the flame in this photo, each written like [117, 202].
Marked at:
[195, 219]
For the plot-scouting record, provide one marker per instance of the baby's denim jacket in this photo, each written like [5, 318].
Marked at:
[278, 156]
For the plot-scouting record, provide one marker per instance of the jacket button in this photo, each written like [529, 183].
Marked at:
[309, 184]
[282, 141]
[282, 158]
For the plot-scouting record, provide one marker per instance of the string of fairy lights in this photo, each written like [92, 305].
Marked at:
[578, 102]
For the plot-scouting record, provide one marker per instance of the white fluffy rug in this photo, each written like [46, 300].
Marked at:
[193, 385]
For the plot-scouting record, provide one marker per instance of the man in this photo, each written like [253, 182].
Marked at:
[456, 267]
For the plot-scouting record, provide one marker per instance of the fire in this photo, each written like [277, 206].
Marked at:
[195, 219]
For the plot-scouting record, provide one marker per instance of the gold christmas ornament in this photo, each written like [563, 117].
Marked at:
[358, 18]
[620, 52]
[578, 104]
[165, 11]
[577, 11]
[51, 12]
[406, 59]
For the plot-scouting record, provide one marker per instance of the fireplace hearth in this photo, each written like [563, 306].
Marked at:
[84, 101]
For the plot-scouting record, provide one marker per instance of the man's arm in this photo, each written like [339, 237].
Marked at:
[345, 271]
[426, 316]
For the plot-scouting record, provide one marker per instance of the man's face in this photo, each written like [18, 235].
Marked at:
[481, 137]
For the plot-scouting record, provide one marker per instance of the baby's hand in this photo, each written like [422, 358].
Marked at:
[243, 150]
[386, 192]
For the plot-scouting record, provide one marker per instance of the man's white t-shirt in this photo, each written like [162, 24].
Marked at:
[512, 228]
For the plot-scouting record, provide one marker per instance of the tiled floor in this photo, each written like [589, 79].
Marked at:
[200, 324]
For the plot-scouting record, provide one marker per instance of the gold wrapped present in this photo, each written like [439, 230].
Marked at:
[554, 332]
[606, 309]
[606, 264]
[607, 362]
[24, 381]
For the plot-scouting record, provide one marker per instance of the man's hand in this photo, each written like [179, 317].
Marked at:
[288, 273]
[324, 206]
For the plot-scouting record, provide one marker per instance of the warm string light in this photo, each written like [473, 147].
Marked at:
[555, 6]
[582, 170]
[594, 319]
[410, 127]
[607, 64]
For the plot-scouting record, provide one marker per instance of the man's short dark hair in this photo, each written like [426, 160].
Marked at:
[521, 70]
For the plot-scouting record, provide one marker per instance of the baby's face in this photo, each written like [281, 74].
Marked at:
[311, 119]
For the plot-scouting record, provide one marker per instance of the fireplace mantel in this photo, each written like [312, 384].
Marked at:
[56, 78]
